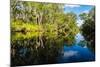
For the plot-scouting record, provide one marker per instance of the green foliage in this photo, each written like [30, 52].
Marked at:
[49, 18]
[38, 30]
[88, 28]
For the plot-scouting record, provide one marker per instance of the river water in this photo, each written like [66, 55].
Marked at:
[76, 53]
[52, 52]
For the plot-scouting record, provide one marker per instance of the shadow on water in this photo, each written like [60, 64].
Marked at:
[39, 48]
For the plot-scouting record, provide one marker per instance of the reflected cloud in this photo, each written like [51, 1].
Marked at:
[70, 53]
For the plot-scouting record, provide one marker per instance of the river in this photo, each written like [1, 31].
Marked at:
[52, 52]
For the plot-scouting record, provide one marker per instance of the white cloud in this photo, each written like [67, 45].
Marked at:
[85, 11]
[79, 22]
[79, 38]
[71, 6]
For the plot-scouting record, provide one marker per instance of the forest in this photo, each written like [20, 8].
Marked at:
[39, 30]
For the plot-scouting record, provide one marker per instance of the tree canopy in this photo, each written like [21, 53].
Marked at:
[46, 17]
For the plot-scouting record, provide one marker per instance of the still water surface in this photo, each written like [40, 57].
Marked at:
[53, 51]
[76, 53]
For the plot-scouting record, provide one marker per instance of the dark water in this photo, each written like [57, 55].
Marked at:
[53, 51]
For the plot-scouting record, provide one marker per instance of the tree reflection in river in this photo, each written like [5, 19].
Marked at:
[38, 48]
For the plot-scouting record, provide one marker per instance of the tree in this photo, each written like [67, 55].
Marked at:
[88, 28]
[46, 17]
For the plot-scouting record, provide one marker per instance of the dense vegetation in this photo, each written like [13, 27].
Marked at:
[42, 18]
[88, 28]
[39, 31]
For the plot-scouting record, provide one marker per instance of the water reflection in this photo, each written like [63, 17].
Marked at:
[47, 48]
[76, 54]
[70, 53]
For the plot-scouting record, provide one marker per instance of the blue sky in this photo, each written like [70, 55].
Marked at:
[77, 9]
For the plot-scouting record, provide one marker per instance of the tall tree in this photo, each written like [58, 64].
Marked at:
[88, 28]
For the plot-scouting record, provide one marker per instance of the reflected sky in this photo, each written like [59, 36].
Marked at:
[76, 53]
[70, 53]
